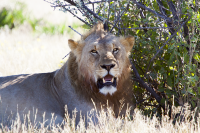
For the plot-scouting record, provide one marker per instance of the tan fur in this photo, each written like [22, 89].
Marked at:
[75, 84]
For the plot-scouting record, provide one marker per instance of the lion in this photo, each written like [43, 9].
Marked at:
[96, 72]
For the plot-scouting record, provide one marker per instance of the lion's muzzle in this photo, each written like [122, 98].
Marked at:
[107, 84]
[108, 80]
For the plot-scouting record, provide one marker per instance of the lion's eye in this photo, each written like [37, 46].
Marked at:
[94, 52]
[115, 50]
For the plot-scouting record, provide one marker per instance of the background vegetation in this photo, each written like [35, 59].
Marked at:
[165, 58]
[13, 18]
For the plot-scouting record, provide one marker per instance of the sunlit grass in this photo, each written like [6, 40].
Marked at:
[107, 123]
[22, 52]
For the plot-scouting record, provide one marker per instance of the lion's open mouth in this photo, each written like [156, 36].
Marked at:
[108, 80]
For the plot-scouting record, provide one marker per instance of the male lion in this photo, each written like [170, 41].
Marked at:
[97, 71]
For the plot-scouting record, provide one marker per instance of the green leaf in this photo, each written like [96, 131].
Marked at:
[169, 81]
[197, 57]
[190, 90]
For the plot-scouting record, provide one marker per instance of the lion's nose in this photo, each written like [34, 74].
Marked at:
[108, 67]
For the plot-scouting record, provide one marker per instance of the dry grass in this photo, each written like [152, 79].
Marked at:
[109, 124]
[22, 52]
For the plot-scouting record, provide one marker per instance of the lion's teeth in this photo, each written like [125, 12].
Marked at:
[112, 80]
[104, 80]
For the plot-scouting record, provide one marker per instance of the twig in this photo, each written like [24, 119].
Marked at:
[167, 41]
[145, 28]
[141, 101]
[49, 2]
[93, 7]
[66, 55]
[79, 18]
[74, 30]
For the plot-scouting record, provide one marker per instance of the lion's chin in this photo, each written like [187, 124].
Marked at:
[108, 90]
[107, 84]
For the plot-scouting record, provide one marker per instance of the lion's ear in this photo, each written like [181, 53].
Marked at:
[128, 42]
[72, 44]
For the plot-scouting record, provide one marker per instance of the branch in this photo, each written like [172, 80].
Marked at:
[186, 34]
[90, 11]
[71, 2]
[144, 85]
[173, 10]
[90, 2]
[154, 12]
[162, 10]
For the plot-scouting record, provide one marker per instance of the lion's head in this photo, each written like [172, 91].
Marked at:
[102, 59]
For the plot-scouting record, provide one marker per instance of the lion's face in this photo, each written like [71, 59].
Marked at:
[102, 59]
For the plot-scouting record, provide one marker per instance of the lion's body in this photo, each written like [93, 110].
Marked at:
[99, 76]
[24, 93]
[37, 93]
